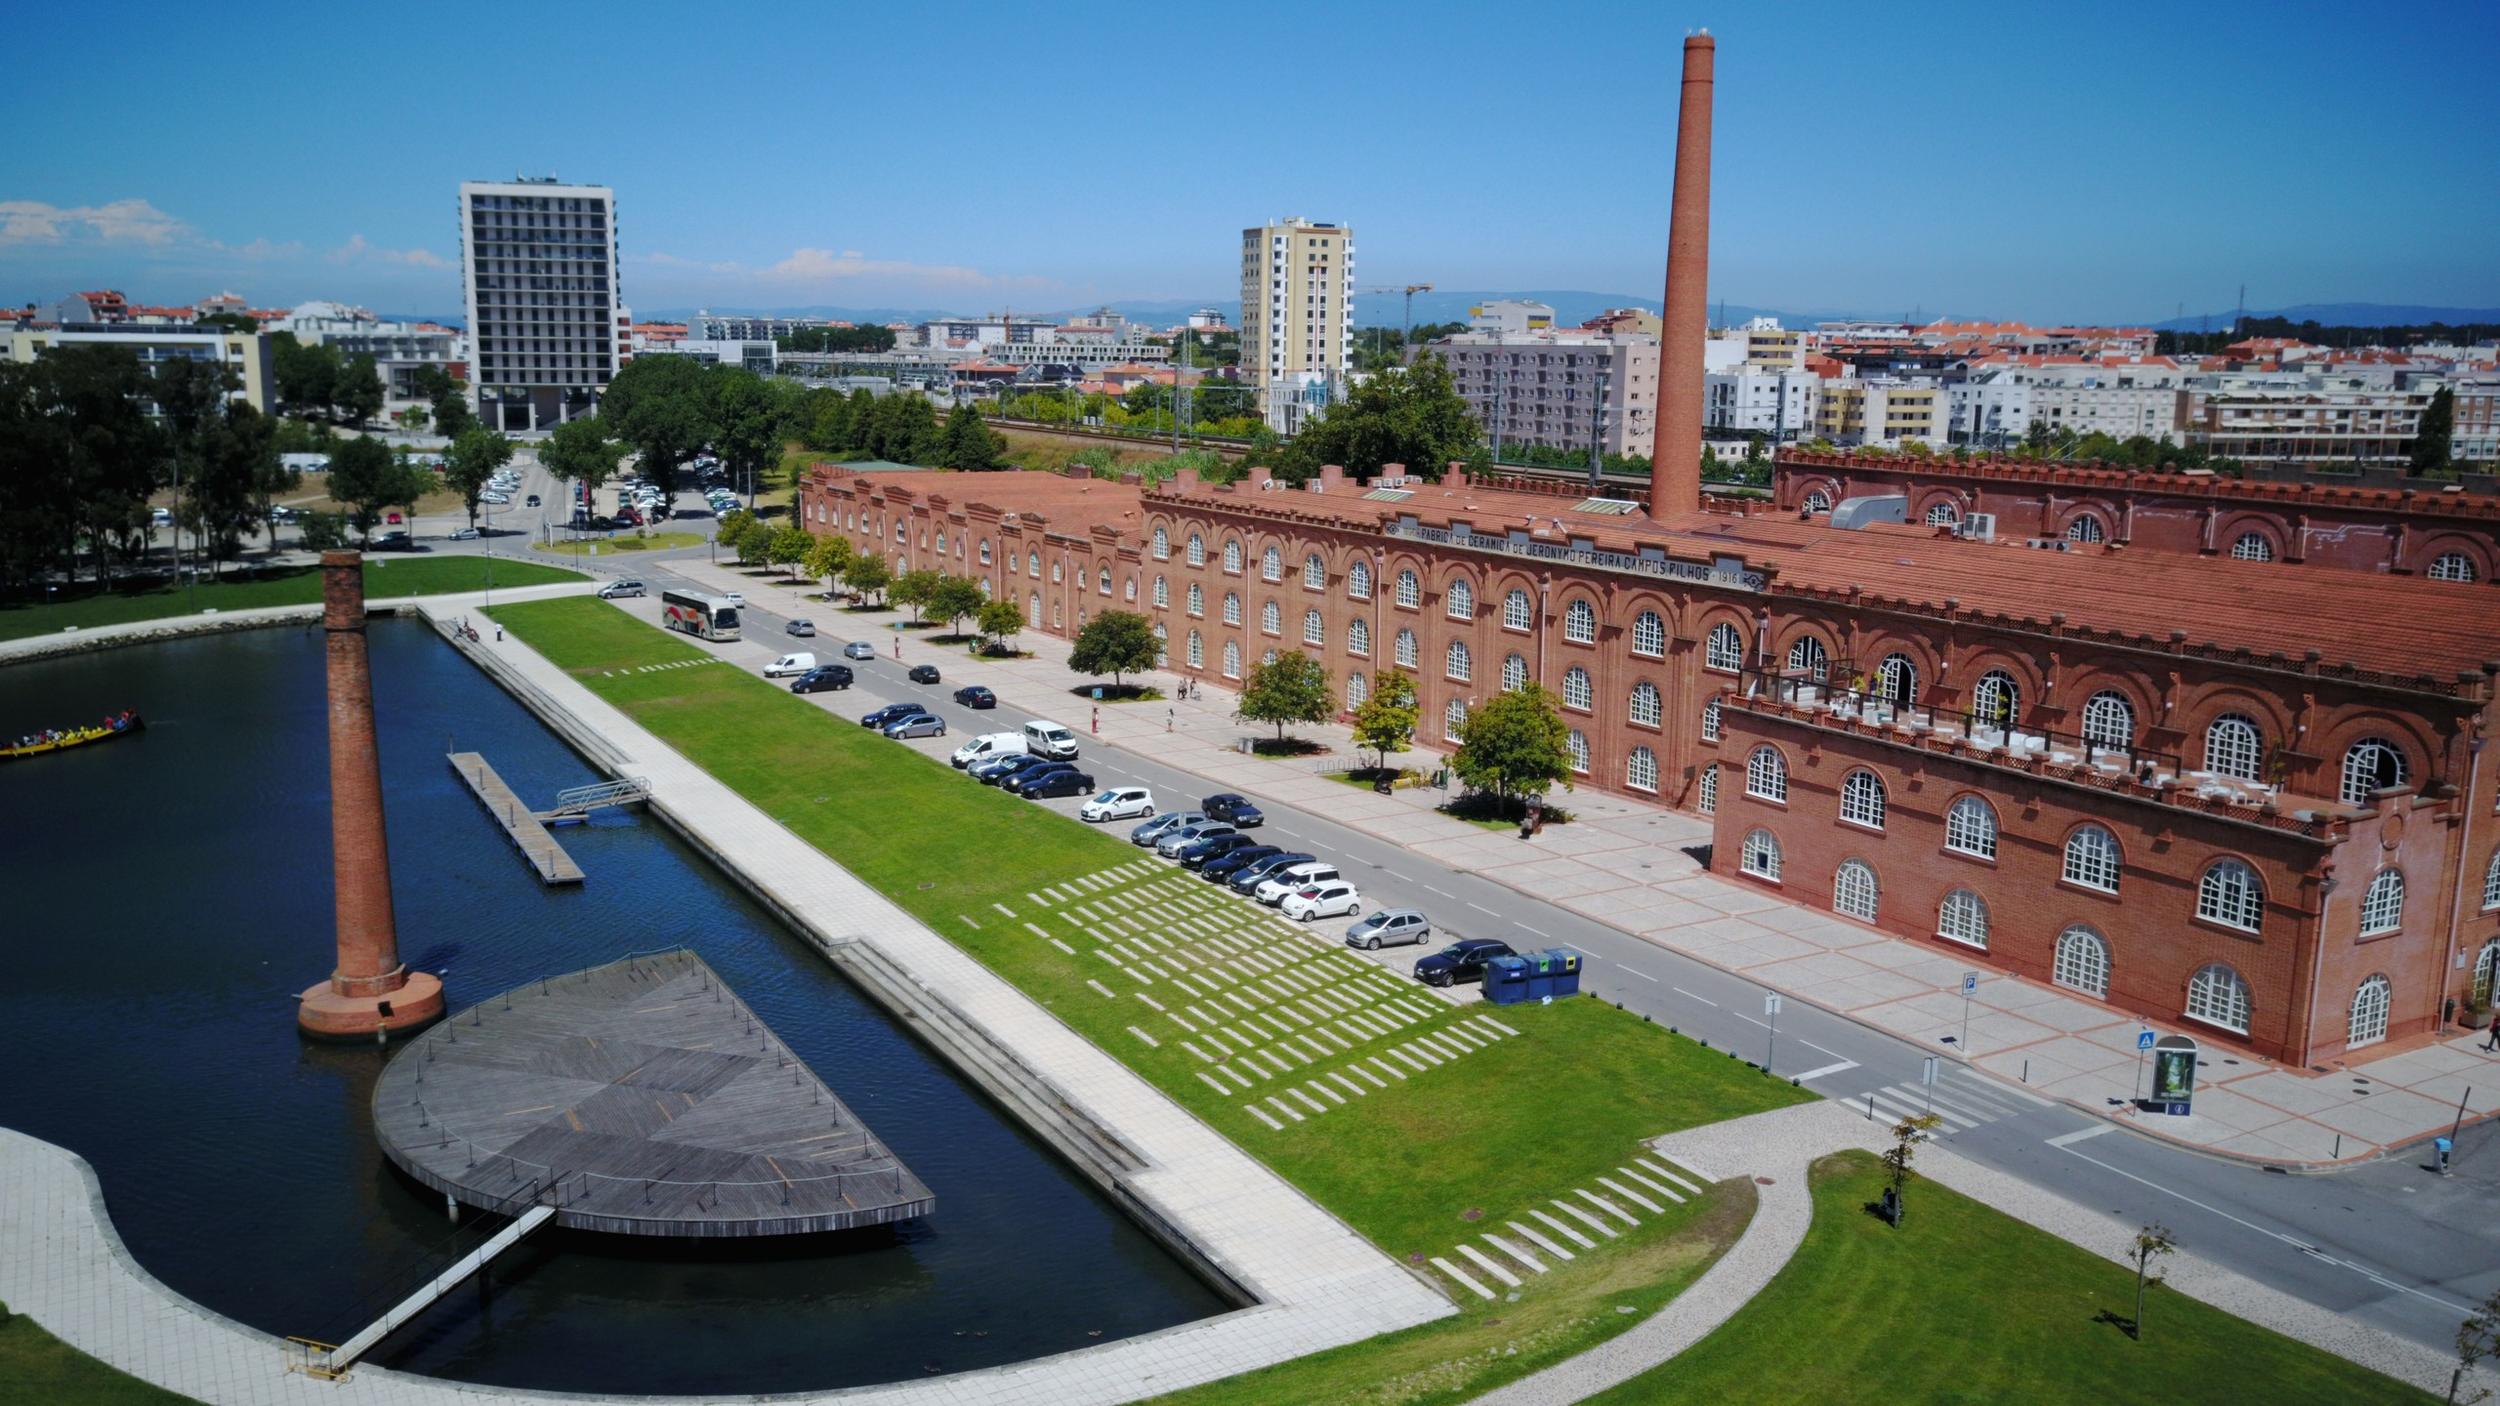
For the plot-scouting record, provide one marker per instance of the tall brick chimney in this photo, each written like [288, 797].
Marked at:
[369, 992]
[1675, 463]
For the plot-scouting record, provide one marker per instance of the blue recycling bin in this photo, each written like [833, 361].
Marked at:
[1507, 979]
[1553, 972]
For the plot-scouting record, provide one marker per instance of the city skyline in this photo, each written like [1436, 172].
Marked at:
[2083, 191]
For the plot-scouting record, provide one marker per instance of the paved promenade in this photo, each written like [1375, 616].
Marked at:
[1629, 865]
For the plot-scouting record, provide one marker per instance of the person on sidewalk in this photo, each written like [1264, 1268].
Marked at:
[1167, 720]
[1098, 720]
[2491, 1042]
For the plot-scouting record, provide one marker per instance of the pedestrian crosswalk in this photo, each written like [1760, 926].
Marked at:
[1959, 1099]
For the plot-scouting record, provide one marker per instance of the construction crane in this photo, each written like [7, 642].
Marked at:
[1406, 337]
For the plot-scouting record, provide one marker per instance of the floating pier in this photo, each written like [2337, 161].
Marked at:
[522, 824]
[639, 1098]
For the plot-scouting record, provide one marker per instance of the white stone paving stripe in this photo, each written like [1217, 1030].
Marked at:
[976, 927]
[1681, 1164]
[1212, 1082]
[1332, 1095]
[1283, 1107]
[1003, 908]
[1256, 1112]
[1630, 1195]
[1605, 1205]
[1453, 1271]
[1629, 1174]
[1542, 1243]
[1151, 1041]
[1105, 990]
[1485, 1262]
[1586, 1219]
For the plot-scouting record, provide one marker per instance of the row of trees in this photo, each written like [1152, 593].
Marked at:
[932, 595]
[838, 339]
[903, 428]
[317, 383]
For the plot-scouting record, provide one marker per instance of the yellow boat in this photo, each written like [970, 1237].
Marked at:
[122, 726]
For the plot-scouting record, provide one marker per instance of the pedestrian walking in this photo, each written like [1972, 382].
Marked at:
[898, 646]
[1098, 722]
[2491, 1041]
[1167, 720]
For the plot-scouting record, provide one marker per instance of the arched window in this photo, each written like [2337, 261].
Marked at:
[941, 544]
[1514, 672]
[1102, 581]
[1896, 680]
[1197, 551]
[1162, 546]
[1996, 699]
[1725, 650]
[1943, 514]
[1580, 622]
[1358, 637]
[2217, 996]
[1232, 607]
[1706, 793]
[1410, 590]
[1358, 580]
[1818, 501]
[1862, 799]
[2486, 970]
[1033, 565]
[2092, 858]
[1640, 770]
[1854, 890]
[1314, 629]
[2230, 894]
[2232, 746]
[1645, 709]
[1458, 663]
[1766, 775]
[2371, 764]
[1462, 600]
[1405, 645]
[1970, 827]
[2252, 546]
[2082, 961]
[985, 549]
[1576, 690]
[2383, 907]
[1163, 594]
[1454, 719]
[1055, 568]
[2086, 528]
[2109, 720]
[1232, 659]
[985, 587]
[1197, 599]
[1162, 637]
[2370, 1001]
[1232, 557]
[2491, 883]
[1358, 690]
[1271, 618]
[1271, 565]
[1128, 590]
[1761, 855]
[1517, 613]
[1710, 721]
[1577, 744]
[1808, 657]
[1314, 572]
[1649, 634]
[2453, 566]
[1963, 918]
[1033, 610]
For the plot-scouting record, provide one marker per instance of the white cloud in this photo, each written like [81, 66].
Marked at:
[115, 222]
[826, 269]
[358, 248]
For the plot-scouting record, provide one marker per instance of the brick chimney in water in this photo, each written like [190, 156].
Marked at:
[369, 993]
[1675, 462]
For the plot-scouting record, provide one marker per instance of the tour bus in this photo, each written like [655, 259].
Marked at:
[705, 617]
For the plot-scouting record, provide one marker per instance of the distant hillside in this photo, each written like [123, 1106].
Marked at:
[2339, 315]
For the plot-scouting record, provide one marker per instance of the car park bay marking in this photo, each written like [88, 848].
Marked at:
[1482, 909]
[1541, 933]
[1845, 1064]
[1680, 991]
[2070, 1139]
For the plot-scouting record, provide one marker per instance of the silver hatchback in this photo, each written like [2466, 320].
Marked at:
[1388, 928]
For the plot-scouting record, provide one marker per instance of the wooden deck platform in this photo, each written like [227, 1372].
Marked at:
[554, 866]
[642, 1098]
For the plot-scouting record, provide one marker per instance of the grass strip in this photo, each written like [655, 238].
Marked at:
[38, 1367]
[384, 577]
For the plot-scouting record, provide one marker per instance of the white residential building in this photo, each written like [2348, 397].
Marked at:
[1559, 389]
[1990, 412]
[1510, 315]
[1781, 404]
[1297, 314]
[539, 278]
[399, 349]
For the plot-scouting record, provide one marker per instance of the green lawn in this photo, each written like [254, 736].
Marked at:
[1966, 1304]
[384, 577]
[648, 542]
[38, 1367]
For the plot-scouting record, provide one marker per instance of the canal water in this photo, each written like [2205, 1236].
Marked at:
[168, 895]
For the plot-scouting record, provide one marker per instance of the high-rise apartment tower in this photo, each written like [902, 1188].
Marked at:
[546, 325]
[1297, 315]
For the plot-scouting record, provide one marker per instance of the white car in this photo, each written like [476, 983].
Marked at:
[1322, 900]
[733, 600]
[1118, 803]
[1275, 888]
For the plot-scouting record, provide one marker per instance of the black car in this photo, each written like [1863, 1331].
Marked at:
[974, 696]
[1008, 770]
[1462, 960]
[890, 713]
[1251, 874]
[822, 678]
[1224, 866]
[1213, 847]
[1068, 782]
[1236, 809]
[1025, 778]
[923, 673]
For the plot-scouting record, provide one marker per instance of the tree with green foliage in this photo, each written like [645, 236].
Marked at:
[226, 322]
[1115, 642]
[322, 532]
[2149, 1244]
[827, 556]
[472, 462]
[2478, 1337]
[730, 525]
[826, 421]
[955, 599]
[662, 406]
[368, 477]
[191, 399]
[913, 588]
[1412, 416]
[579, 451]
[2432, 446]
[969, 444]
[1515, 744]
[746, 426]
[754, 542]
[358, 393]
[1385, 720]
[229, 502]
[271, 477]
[452, 415]
[789, 546]
[1000, 622]
[838, 339]
[1291, 688]
[867, 574]
[1907, 1134]
[413, 418]
[306, 377]
[858, 422]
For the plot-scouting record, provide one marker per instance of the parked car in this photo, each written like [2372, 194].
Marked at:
[1163, 825]
[395, 540]
[1292, 878]
[464, 534]
[1194, 856]
[1462, 960]
[391, 517]
[620, 588]
[916, 725]
[789, 664]
[1224, 866]
[530, 502]
[1236, 809]
[627, 517]
[1389, 927]
[824, 678]
[974, 696]
[1027, 777]
[1118, 803]
[1000, 772]
[1257, 872]
[1169, 845]
[1322, 901]
[805, 629]
[733, 600]
[859, 649]
[498, 499]
[891, 712]
[989, 746]
[1068, 782]
[922, 673]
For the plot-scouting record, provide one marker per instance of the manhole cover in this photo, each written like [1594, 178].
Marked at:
[1415, 1259]
[1472, 1213]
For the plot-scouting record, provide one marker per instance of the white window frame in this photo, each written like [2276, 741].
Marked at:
[2372, 1002]
[1314, 627]
[1963, 918]
[1358, 580]
[1576, 745]
[2361, 774]
[2093, 859]
[1458, 662]
[2081, 962]
[1514, 672]
[1410, 590]
[1518, 612]
[1725, 649]
[1649, 634]
[1862, 799]
[1856, 892]
[1580, 622]
[2383, 903]
[1314, 573]
[1577, 690]
[2234, 746]
[1271, 565]
[1970, 827]
[1706, 790]
[1760, 855]
[1404, 650]
[2230, 893]
[2217, 995]
[2109, 720]
[1645, 707]
[1460, 602]
[2453, 566]
[1766, 774]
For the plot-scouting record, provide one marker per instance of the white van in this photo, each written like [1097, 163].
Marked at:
[1272, 890]
[988, 747]
[1049, 739]
[790, 664]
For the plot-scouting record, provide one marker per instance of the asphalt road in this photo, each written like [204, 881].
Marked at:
[2390, 1244]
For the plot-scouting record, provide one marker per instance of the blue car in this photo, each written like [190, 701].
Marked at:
[1253, 874]
[996, 773]
[1224, 866]
[1194, 856]
[1233, 808]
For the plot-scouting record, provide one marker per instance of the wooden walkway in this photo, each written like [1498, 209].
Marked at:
[639, 1098]
[554, 866]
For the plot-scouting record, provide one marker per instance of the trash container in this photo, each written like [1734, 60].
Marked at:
[1506, 980]
[1553, 972]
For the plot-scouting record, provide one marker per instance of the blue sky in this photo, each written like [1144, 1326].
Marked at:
[2109, 161]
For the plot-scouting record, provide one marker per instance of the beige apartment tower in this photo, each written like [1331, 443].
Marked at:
[1297, 316]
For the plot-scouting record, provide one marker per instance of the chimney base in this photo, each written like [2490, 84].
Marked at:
[328, 1014]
